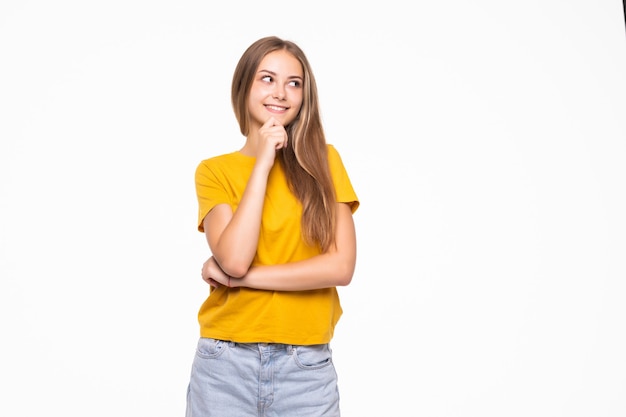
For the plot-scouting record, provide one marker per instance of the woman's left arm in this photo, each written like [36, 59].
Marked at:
[330, 269]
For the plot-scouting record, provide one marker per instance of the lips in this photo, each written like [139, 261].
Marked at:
[275, 108]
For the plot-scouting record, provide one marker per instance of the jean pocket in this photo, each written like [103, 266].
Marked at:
[313, 356]
[211, 348]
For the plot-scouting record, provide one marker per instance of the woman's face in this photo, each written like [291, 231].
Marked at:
[276, 90]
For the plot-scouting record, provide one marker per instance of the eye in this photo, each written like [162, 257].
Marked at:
[266, 78]
[294, 83]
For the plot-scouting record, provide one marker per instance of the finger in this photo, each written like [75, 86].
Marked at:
[281, 145]
[270, 123]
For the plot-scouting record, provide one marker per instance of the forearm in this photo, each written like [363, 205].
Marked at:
[237, 243]
[322, 271]
[330, 269]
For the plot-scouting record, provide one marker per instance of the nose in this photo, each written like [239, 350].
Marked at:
[279, 92]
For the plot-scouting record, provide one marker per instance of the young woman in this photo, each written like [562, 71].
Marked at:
[277, 215]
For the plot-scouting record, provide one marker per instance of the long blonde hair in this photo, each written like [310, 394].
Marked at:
[305, 161]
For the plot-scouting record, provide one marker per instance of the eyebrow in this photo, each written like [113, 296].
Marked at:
[290, 77]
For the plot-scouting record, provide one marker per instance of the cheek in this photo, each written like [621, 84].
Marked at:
[255, 95]
[297, 110]
[259, 91]
[297, 102]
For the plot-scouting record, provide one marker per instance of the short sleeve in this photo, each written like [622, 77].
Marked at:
[209, 190]
[343, 186]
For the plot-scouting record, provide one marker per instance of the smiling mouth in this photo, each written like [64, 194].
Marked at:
[275, 108]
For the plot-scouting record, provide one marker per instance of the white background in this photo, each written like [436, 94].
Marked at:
[485, 139]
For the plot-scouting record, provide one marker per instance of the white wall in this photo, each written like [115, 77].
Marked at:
[486, 141]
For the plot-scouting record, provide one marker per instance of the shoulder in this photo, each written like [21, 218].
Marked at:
[332, 152]
[228, 161]
[220, 159]
[334, 158]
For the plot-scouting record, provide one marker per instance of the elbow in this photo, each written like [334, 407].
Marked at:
[233, 268]
[237, 271]
[344, 281]
[344, 277]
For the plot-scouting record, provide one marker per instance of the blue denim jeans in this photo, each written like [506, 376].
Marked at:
[262, 380]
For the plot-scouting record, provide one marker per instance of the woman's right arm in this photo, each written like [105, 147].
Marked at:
[233, 236]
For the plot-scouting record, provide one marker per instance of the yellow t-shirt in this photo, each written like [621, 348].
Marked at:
[249, 315]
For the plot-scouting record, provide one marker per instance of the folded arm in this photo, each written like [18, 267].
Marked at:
[330, 269]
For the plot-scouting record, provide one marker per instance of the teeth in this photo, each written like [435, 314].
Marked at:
[276, 108]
